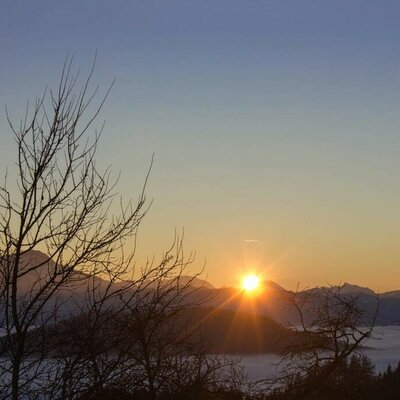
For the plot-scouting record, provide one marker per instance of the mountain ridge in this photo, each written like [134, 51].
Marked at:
[272, 300]
[345, 288]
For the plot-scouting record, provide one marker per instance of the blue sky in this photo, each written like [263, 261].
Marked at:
[275, 121]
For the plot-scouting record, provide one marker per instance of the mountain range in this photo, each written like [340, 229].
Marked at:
[272, 301]
[230, 320]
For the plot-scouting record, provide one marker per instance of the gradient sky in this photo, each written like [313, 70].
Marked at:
[275, 124]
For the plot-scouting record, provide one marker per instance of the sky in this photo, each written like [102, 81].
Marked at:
[274, 125]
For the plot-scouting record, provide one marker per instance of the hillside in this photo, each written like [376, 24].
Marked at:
[234, 332]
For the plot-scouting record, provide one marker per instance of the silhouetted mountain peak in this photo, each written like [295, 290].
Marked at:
[273, 285]
[345, 289]
[35, 257]
[195, 282]
[349, 288]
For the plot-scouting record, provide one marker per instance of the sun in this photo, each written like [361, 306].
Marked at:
[250, 283]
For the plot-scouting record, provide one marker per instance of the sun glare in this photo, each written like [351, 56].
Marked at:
[250, 283]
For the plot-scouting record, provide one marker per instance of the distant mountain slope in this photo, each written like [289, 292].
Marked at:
[234, 332]
[36, 268]
[219, 331]
[345, 289]
[39, 266]
[274, 301]
[184, 280]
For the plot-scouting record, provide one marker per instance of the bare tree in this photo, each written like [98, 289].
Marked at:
[77, 317]
[332, 327]
[156, 350]
[137, 338]
[64, 206]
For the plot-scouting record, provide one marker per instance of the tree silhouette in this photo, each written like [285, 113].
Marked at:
[62, 205]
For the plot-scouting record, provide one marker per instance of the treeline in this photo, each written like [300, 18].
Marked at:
[354, 379]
